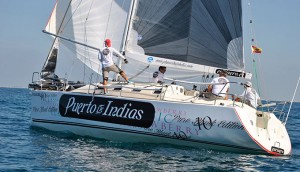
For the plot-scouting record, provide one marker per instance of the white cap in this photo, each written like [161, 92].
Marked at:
[248, 84]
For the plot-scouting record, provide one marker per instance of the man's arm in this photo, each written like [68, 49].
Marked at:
[155, 75]
[100, 56]
[226, 96]
[117, 53]
[209, 88]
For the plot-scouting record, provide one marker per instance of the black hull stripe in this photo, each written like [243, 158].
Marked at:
[146, 133]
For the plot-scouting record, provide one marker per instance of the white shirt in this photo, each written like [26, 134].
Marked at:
[216, 89]
[105, 56]
[251, 95]
[158, 76]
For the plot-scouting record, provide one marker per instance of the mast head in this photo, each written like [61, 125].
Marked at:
[107, 43]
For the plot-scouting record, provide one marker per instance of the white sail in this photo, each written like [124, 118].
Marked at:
[89, 22]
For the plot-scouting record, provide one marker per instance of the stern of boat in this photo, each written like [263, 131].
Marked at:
[266, 130]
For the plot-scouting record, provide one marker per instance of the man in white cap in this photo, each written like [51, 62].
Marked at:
[250, 94]
[105, 56]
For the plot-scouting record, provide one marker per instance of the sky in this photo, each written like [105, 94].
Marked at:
[276, 24]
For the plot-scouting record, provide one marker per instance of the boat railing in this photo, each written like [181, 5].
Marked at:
[234, 96]
[33, 76]
[279, 109]
[158, 88]
[121, 86]
[49, 83]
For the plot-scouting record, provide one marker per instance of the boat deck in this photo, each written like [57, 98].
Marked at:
[172, 93]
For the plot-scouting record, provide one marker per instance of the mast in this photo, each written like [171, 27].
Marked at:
[128, 24]
[126, 33]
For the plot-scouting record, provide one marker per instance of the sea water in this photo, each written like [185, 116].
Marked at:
[23, 148]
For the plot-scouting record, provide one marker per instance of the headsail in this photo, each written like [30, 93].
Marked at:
[195, 35]
[54, 26]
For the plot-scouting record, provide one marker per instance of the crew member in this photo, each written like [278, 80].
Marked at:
[105, 56]
[158, 76]
[220, 87]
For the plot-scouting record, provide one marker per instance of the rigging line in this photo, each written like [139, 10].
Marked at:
[98, 72]
[139, 73]
[108, 19]
[252, 31]
[254, 41]
[71, 69]
[71, 15]
[255, 72]
[85, 40]
[287, 116]
[261, 76]
[281, 112]
[71, 66]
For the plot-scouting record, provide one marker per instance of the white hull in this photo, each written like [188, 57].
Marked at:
[227, 127]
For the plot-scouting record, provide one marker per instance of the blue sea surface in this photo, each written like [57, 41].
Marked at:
[23, 148]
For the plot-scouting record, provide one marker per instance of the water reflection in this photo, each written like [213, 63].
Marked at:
[69, 152]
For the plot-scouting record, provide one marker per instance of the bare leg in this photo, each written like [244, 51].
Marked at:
[124, 76]
[104, 84]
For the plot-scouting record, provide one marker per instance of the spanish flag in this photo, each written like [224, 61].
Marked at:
[256, 49]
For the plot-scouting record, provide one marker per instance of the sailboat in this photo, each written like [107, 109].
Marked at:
[194, 39]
